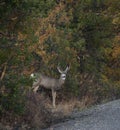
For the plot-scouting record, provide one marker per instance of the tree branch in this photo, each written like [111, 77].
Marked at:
[3, 72]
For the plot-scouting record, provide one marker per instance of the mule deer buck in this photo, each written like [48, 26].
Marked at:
[50, 83]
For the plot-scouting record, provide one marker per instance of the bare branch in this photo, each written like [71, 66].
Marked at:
[3, 72]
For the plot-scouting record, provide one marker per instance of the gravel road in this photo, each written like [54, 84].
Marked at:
[100, 117]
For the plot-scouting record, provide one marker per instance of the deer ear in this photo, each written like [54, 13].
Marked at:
[60, 71]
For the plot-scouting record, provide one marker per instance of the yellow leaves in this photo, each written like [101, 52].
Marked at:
[71, 55]
[116, 52]
[27, 71]
[67, 48]
[46, 29]
[112, 73]
[116, 20]
[116, 49]
[21, 36]
[48, 23]
[104, 78]
[43, 54]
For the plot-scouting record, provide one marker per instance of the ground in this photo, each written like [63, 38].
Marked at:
[101, 117]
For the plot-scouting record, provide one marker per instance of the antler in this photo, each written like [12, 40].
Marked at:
[66, 70]
[60, 71]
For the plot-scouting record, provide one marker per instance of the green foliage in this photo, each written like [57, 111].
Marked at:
[40, 8]
[39, 35]
[95, 30]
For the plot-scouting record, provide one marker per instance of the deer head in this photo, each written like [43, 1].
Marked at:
[63, 73]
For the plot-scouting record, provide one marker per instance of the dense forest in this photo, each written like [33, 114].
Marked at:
[39, 35]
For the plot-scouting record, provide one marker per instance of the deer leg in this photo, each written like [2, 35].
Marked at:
[35, 89]
[53, 97]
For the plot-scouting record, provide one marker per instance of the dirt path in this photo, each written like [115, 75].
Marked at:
[101, 117]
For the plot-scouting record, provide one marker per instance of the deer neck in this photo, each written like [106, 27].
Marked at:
[61, 81]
